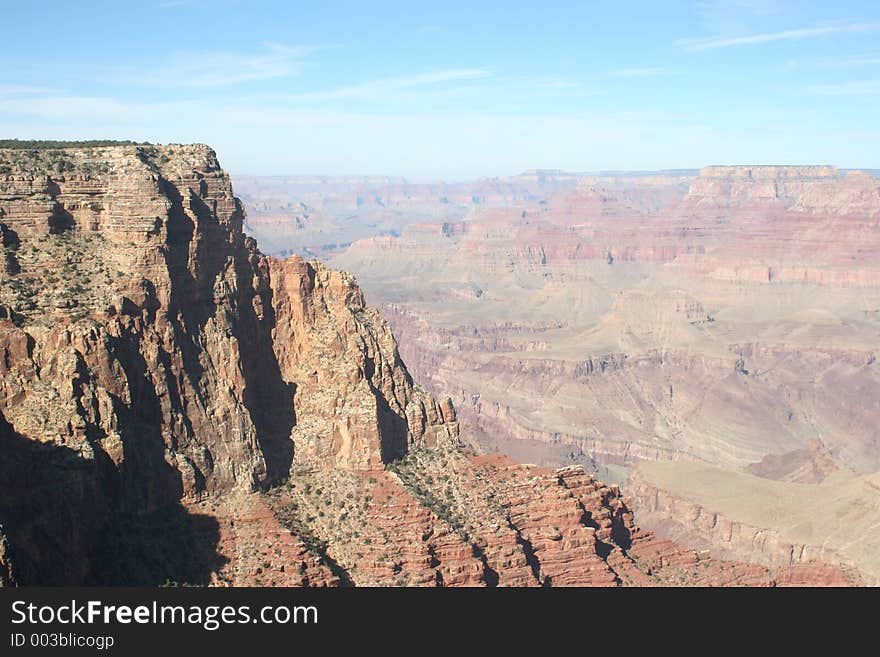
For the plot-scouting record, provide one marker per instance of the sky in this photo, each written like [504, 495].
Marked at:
[452, 90]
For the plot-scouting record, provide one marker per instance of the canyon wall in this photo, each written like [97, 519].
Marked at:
[147, 343]
[722, 318]
[772, 522]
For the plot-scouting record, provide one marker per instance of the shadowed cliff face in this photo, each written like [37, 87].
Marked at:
[151, 355]
[53, 514]
[64, 525]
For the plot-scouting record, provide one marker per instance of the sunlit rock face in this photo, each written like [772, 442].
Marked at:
[148, 344]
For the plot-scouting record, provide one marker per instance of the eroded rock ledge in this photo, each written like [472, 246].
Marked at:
[676, 516]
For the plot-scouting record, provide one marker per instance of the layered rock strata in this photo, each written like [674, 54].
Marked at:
[177, 408]
[776, 523]
[153, 352]
[728, 320]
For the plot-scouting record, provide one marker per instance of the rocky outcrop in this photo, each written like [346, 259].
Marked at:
[148, 342]
[356, 404]
[254, 549]
[133, 285]
[439, 518]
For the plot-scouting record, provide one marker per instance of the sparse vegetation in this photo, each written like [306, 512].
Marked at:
[56, 272]
[48, 144]
[432, 477]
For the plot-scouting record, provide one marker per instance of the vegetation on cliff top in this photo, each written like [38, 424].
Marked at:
[45, 144]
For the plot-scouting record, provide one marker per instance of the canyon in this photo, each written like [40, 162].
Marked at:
[726, 319]
[177, 407]
[318, 216]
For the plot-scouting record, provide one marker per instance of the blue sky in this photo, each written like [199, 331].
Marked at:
[455, 89]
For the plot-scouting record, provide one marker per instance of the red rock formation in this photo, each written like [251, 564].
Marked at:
[159, 373]
[161, 361]
[355, 402]
[255, 550]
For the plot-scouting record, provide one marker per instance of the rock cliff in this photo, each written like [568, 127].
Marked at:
[147, 342]
[809, 189]
[175, 407]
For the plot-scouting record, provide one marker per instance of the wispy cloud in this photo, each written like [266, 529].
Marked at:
[221, 68]
[381, 87]
[857, 87]
[712, 43]
[650, 72]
